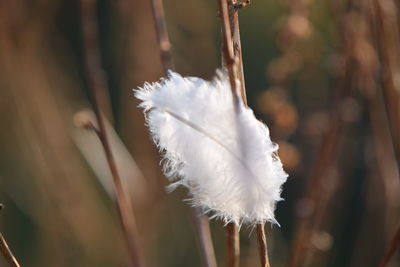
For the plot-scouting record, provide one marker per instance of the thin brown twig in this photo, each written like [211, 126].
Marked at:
[203, 231]
[318, 194]
[232, 56]
[367, 77]
[234, 43]
[384, 144]
[387, 31]
[389, 45]
[234, 6]
[262, 245]
[231, 63]
[200, 221]
[393, 246]
[6, 251]
[104, 100]
[239, 5]
[164, 44]
[232, 241]
[96, 83]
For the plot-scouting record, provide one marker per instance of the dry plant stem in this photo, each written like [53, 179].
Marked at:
[262, 245]
[231, 63]
[8, 255]
[389, 41]
[234, 6]
[317, 194]
[200, 221]
[104, 101]
[388, 33]
[384, 143]
[393, 246]
[96, 82]
[232, 241]
[162, 35]
[232, 57]
[203, 230]
[230, 60]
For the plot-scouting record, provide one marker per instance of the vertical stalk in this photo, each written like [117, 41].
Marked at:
[232, 242]
[231, 63]
[164, 44]
[96, 84]
[386, 22]
[234, 6]
[200, 221]
[389, 46]
[203, 231]
[394, 244]
[317, 196]
[262, 245]
[232, 57]
[6, 251]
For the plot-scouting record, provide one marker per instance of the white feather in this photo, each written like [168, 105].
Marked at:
[224, 156]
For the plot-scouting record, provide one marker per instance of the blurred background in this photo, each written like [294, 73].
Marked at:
[324, 75]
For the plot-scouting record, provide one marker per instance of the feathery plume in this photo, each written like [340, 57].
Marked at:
[222, 154]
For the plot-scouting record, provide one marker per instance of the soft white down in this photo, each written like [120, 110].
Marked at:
[223, 155]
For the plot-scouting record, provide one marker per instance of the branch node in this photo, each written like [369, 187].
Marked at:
[242, 4]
